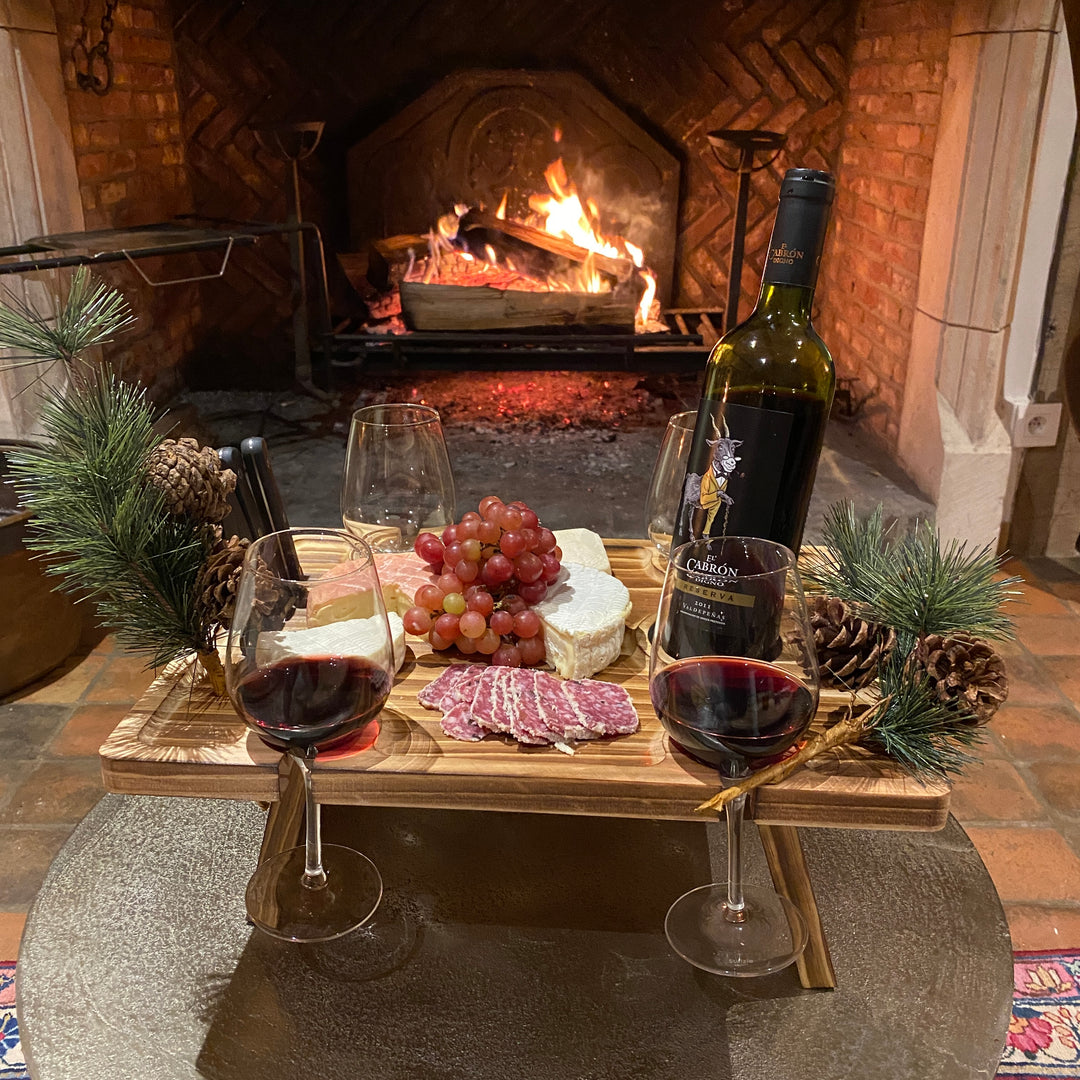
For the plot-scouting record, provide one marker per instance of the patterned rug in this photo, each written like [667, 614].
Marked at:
[1043, 1041]
[12, 1065]
[1044, 1032]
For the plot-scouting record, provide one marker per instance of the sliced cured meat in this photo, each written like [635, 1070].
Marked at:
[431, 696]
[605, 704]
[458, 723]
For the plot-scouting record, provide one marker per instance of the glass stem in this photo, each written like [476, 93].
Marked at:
[314, 874]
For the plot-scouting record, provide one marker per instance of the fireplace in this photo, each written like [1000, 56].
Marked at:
[903, 100]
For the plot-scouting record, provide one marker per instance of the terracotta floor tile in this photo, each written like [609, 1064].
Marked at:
[1050, 927]
[1029, 681]
[1059, 784]
[11, 928]
[1036, 598]
[1026, 864]
[1048, 635]
[88, 728]
[55, 793]
[1065, 671]
[124, 679]
[66, 684]
[1038, 734]
[25, 855]
[994, 791]
[25, 728]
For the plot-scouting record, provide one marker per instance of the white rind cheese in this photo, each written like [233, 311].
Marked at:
[352, 637]
[584, 616]
[583, 547]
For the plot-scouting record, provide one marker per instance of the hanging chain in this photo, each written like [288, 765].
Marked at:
[86, 59]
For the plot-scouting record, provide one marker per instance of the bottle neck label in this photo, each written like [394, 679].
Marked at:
[798, 237]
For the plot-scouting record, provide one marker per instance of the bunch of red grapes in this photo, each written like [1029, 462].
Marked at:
[492, 566]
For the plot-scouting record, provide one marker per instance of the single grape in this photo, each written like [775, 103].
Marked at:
[509, 517]
[532, 650]
[488, 642]
[534, 592]
[487, 502]
[527, 624]
[467, 530]
[452, 555]
[429, 547]
[472, 624]
[551, 565]
[507, 656]
[527, 567]
[471, 549]
[449, 583]
[449, 534]
[513, 603]
[512, 543]
[557, 552]
[417, 620]
[465, 645]
[454, 603]
[545, 541]
[467, 572]
[488, 532]
[430, 597]
[502, 622]
[438, 642]
[494, 512]
[479, 600]
[531, 537]
[470, 518]
[446, 626]
[529, 520]
[497, 570]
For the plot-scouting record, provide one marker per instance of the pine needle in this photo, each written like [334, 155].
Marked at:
[92, 314]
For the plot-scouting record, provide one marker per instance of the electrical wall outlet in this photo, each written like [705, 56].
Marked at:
[1035, 423]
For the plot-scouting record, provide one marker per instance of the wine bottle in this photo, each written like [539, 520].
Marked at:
[768, 388]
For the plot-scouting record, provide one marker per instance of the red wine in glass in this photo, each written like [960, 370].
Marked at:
[312, 700]
[724, 710]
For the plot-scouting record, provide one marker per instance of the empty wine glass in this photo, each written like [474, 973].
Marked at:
[397, 479]
[309, 664]
[733, 677]
[668, 475]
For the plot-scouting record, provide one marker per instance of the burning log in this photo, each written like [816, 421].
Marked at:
[501, 234]
[480, 307]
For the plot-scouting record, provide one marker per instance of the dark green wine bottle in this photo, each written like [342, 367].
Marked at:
[768, 390]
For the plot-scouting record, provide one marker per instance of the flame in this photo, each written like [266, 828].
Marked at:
[501, 212]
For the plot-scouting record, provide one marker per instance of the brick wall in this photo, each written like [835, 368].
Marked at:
[131, 165]
[871, 267]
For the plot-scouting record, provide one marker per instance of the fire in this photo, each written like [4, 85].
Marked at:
[560, 212]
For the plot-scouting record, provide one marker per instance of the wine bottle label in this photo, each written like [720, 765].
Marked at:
[734, 472]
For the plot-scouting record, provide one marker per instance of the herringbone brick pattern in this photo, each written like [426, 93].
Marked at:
[679, 69]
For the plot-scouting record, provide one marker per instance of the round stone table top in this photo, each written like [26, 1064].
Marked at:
[508, 945]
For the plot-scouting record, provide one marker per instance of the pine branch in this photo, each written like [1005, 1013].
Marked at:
[92, 314]
[104, 527]
[911, 585]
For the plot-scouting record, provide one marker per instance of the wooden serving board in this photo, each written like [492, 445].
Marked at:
[183, 740]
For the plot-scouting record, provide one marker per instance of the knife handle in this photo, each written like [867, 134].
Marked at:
[241, 502]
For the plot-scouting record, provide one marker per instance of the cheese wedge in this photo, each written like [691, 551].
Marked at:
[584, 547]
[584, 616]
[353, 637]
[344, 596]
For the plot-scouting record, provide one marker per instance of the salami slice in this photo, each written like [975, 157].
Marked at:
[607, 706]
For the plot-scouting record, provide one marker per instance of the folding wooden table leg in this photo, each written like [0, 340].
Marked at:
[285, 819]
[790, 875]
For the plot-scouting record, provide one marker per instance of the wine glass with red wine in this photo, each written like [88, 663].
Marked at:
[733, 677]
[309, 665]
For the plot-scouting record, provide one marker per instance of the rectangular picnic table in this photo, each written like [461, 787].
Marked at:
[182, 739]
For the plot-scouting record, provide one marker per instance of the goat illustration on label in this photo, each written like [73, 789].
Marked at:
[707, 491]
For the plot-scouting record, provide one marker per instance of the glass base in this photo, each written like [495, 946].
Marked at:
[772, 935]
[279, 903]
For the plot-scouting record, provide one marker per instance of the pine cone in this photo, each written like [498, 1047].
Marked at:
[849, 648]
[191, 478]
[219, 580]
[966, 672]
